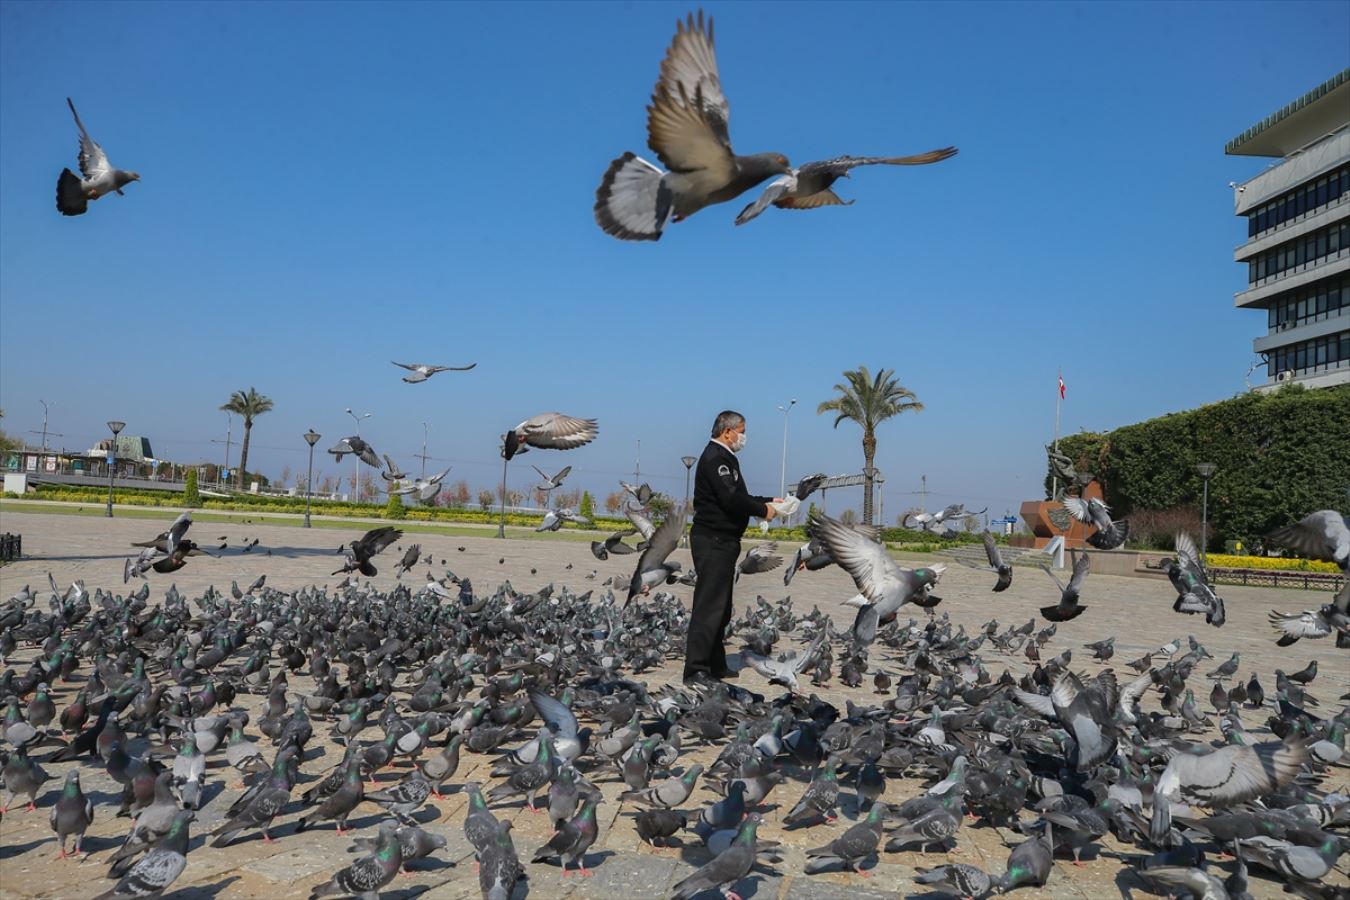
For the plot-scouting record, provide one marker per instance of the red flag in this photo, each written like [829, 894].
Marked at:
[1061, 387]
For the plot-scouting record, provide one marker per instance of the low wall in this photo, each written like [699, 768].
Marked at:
[1129, 563]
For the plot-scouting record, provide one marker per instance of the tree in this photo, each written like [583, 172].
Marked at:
[285, 477]
[660, 504]
[868, 402]
[587, 505]
[614, 502]
[485, 498]
[395, 509]
[849, 517]
[192, 498]
[248, 405]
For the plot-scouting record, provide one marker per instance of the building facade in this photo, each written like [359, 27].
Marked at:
[1297, 251]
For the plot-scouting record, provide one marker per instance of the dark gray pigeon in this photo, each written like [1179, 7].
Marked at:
[1109, 535]
[809, 186]
[727, 868]
[851, 848]
[367, 875]
[659, 824]
[153, 873]
[958, 878]
[1087, 711]
[100, 176]
[414, 843]
[652, 569]
[362, 551]
[358, 447]
[499, 867]
[72, 814]
[687, 129]
[1068, 606]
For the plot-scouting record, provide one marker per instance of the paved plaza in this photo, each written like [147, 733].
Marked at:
[1136, 611]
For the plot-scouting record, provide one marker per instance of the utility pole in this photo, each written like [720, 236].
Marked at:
[923, 493]
[424, 451]
[229, 424]
[44, 427]
[637, 466]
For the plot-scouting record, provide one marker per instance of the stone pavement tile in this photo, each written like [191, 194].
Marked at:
[886, 882]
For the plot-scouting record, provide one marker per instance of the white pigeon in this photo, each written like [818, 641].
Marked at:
[421, 371]
[100, 177]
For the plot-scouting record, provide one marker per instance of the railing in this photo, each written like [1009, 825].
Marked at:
[1308, 581]
[11, 547]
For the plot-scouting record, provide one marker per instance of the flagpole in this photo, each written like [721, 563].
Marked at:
[1059, 398]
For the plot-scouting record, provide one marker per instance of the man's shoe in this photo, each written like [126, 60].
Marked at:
[698, 679]
[725, 674]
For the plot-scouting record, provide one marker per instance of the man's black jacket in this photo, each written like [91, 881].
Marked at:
[722, 505]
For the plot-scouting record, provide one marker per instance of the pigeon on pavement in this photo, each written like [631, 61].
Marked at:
[687, 129]
[72, 814]
[100, 177]
[809, 186]
[727, 868]
[154, 872]
[368, 874]
[421, 372]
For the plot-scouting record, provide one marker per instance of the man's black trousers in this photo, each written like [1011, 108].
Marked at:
[715, 558]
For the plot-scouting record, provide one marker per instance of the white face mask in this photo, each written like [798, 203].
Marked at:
[738, 442]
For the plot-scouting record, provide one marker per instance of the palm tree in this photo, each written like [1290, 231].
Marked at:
[869, 402]
[247, 405]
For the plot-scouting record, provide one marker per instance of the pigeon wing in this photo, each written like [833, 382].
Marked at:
[776, 191]
[688, 116]
[1324, 535]
[93, 161]
[991, 551]
[555, 431]
[865, 561]
[555, 713]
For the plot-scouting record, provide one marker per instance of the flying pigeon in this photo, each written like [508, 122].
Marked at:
[1086, 710]
[808, 486]
[1325, 536]
[1109, 535]
[884, 585]
[652, 568]
[73, 194]
[1068, 606]
[355, 445]
[785, 669]
[809, 187]
[1231, 774]
[612, 544]
[392, 471]
[996, 563]
[551, 481]
[760, 558]
[426, 489]
[421, 372]
[687, 129]
[554, 519]
[1194, 594]
[363, 550]
[549, 431]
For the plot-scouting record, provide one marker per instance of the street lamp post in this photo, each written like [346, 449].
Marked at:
[688, 466]
[356, 460]
[1206, 472]
[501, 524]
[44, 425]
[782, 472]
[311, 438]
[116, 428]
[424, 451]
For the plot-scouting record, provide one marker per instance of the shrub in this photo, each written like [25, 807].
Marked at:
[192, 498]
[1228, 561]
[1279, 456]
[587, 505]
[1156, 529]
[395, 509]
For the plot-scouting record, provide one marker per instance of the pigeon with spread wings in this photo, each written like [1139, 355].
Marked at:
[362, 551]
[810, 186]
[996, 563]
[1109, 534]
[422, 372]
[100, 177]
[1325, 536]
[1068, 606]
[549, 431]
[652, 568]
[687, 129]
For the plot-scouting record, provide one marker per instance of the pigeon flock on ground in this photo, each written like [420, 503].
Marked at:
[554, 686]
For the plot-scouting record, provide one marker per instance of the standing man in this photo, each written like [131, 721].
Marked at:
[722, 510]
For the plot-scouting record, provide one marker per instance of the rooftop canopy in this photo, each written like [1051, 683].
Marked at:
[1318, 113]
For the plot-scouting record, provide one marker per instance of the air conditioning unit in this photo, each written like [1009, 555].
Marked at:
[1286, 375]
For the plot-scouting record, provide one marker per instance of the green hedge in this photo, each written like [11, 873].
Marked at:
[1278, 457]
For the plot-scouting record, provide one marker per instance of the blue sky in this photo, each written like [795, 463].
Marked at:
[330, 187]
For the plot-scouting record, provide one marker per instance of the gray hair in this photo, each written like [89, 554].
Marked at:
[727, 418]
